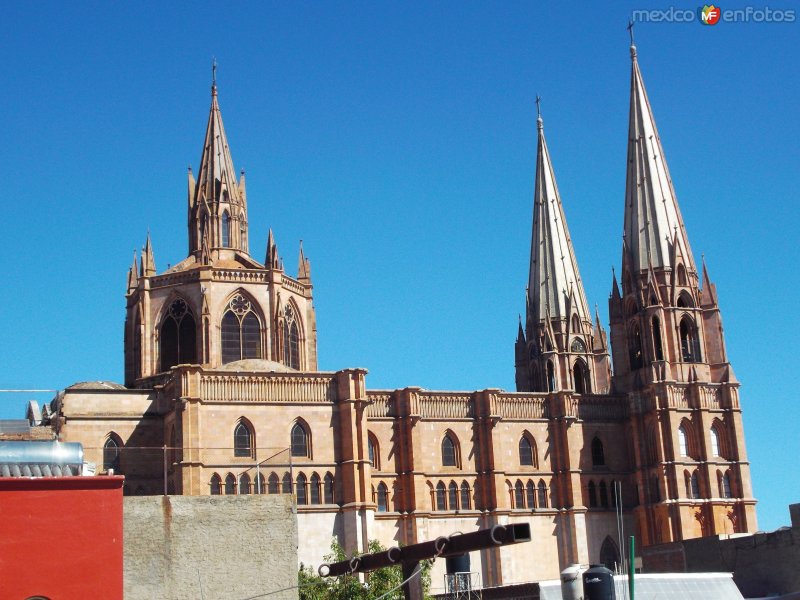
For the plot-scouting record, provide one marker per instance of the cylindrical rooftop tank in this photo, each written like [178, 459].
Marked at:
[598, 584]
[458, 563]
[41, 453]
[571, 584]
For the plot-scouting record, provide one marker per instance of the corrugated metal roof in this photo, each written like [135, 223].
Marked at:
[657, 586]
[14, 426]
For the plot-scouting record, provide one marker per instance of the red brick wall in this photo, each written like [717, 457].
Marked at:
[61, 537]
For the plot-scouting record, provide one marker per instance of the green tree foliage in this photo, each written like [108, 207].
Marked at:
[348, 587]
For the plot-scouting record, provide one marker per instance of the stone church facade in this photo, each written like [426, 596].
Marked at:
[223, 394]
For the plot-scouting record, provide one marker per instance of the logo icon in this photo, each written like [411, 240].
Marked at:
[710, 14]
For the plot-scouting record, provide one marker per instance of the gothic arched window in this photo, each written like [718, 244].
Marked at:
[683, 441]
[242, 440]
[690, 347]
[216, 485]
[635, 348]
[373, 452]
[302, 498]
[329, 497]
[542, 494]
[519, 495]
[726, 485]
[241, 331]
[111, 453]
[244, 484]
[260, 485]
[598, 454]
[603, 490]
[530, 494]
[274, 484]
[286, 484]
[465, 496]
[226, 230]
[551, 376]
[441, 496]
[657, 338]
[527, 451]
[177, 340]
[291, 337]
[592, 494]
[578, 346]
[449, 451]
[314, 489]
[580, 375]
[695, 481]
[300, 445]
[230, 485]
[383, 497]
[452, 495]
[714, 441]
[609, 554]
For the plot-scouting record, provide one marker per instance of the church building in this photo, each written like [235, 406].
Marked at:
[639, 428]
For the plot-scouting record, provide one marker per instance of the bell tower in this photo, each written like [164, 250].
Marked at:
[559, 347]
[218, 306]
[691, 472]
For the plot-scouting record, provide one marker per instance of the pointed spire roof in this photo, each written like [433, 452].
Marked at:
[148, 259]
[653, 222]
[553, 268]
[133, 275]
[303, 265]
[216, 175]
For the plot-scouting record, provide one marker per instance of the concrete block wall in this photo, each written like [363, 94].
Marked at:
[210, 547]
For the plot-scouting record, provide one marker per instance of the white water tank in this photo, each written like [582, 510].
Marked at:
[571, 583]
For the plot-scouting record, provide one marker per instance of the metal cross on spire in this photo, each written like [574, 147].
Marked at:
[630, 31]
[538, 106]
[213, 71]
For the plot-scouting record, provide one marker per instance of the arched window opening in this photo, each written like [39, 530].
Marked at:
[383, 497]
[286, 484]
[112, 450]
[598, 454]
[452, 495]
[635, 349]
[449, 452]
[216, 485]
[466, 504]
[300, 445]
[302, 498]
[291, 336]
[682, 279]
[603, 494]
[726, 486]
[714, 441]
[526, 452]
[226, 230]
[695, 486]
[551, 376]
[576, 324]
[580, 377]
[328, 484]
[530, 494]
[314, 490]
[242, 441]
[542, 494]
[592, 495]
[690, 347]
[685, 300]
[274, 484]
[230, 485]
[609, 554]
[615, 493]
[244, 484]
[373, 452]
[519, 495]
[683, 441]
[260, 485]
[177, 340]
[441, 496]
[578, 346]
[240, 330]
[657, 339]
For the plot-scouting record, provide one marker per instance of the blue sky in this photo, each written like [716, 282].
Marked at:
[398, 141]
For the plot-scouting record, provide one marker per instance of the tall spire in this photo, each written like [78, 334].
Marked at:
[218, 199]
[554, 268]
[653, 222]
